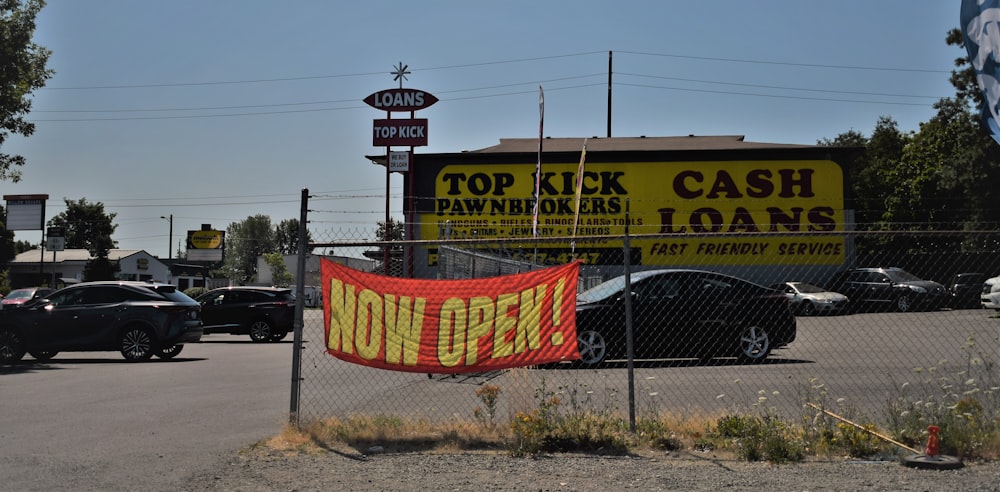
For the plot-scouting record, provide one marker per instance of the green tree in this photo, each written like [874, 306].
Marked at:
[22, 71]
[280, 276]
[87, 226]
[245, 241]
[942, 177]
[397, 232]
[963, 78]
[8, 248]
[287, 237]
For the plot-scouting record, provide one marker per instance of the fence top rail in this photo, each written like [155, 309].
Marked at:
[684, 235]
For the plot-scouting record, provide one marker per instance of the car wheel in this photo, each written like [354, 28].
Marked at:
[43, 355]
[169, 352]
[808, 308]
[260, 331]
[593, 347]
[136, 344]
[904, 304]
[279, 336]
[11, 346]
[754, 343]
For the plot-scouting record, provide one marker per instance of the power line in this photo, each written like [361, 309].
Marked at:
[777, 96]
[308, 77]
[785, 88]
[310, 103]
[765, 62]
[478, 89]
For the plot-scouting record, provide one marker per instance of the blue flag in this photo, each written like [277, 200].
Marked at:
[980, 24]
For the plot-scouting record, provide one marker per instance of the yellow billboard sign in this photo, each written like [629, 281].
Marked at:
[205, 239]
[681, 213]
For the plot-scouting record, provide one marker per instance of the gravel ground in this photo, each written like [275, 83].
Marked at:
[262, 469]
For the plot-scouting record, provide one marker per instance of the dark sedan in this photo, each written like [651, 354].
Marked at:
[264, 313]
[139, 319]
[683, 313]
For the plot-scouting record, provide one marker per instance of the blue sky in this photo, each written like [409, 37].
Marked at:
[213, 111]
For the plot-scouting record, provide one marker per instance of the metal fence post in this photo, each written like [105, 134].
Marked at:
[629, 333]
[300, 281]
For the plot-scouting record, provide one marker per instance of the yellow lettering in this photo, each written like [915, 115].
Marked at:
[370, 311]
[342, 311]
[557, 298]
[403, 322]
[529, 320]
[481, 314]
[504, 323]
[451, 332]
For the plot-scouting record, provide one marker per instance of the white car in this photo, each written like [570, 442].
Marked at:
[808, 300]
[991, 293]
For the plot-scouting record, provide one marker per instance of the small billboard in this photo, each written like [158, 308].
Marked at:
[205, 245]
[25, 212]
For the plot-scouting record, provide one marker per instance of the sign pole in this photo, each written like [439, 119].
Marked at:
[412, 216]
[388, 236]
[400, 132]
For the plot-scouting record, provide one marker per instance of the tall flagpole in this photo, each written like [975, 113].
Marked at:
[538, 169]
[579, 190]
[538, 166]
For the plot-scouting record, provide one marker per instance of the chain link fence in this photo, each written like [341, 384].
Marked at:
[743, 331]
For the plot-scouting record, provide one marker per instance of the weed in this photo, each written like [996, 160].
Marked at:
[759, 438]
[964, 404]
[489, 394]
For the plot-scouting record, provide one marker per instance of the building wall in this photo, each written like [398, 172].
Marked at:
[313, 275]
[143, 266]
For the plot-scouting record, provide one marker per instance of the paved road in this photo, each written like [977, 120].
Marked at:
[91, 421]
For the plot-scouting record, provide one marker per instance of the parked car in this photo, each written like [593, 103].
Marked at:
[17, 297]
[966, 290]
[808, 299]
[890, 289]
[139, 319]
[264, 313]
[683, 313]
[990, 298]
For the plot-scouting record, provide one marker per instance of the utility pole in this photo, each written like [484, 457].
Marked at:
[170, 239]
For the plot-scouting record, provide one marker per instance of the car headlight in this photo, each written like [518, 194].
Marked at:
[918, 289]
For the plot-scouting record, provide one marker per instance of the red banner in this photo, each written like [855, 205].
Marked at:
[450, 326]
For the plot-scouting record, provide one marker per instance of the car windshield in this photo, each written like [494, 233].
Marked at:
[174, 295]
[20, 294]
[807, 288]
[608, 288]
[902, 276]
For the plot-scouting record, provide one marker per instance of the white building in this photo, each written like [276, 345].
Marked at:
[36, 267]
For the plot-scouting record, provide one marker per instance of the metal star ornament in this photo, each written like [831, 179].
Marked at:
[400, 73]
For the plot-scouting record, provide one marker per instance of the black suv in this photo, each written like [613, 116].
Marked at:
[264, 313]
[890, 289]
[139, 319]
[966, 290]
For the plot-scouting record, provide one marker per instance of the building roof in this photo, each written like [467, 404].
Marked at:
[36, 256]
[624, 144]
[689, 143]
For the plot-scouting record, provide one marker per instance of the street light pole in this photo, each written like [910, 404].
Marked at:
[170, 240]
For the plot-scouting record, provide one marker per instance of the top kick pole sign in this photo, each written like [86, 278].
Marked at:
[405, 132]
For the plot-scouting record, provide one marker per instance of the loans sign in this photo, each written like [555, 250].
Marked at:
[450, 326]
[399, 100]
